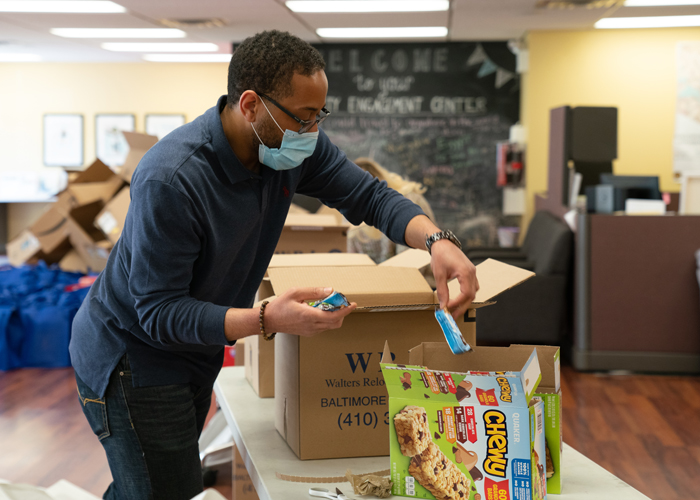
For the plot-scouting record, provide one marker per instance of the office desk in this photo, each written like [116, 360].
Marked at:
[264, 452]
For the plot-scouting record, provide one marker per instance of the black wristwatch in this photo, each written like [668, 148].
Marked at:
[442, 235]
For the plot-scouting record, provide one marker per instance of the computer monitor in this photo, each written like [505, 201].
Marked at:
[634, 186]
[624, 187]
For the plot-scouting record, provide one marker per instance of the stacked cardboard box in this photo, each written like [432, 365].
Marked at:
[323, 232]
[330, 397]
[80, 228]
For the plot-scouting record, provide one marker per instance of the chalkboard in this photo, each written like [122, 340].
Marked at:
[433, 113]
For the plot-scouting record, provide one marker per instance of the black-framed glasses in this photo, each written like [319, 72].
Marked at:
[306, 125]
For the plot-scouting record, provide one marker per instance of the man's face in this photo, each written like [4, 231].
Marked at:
[307, 98]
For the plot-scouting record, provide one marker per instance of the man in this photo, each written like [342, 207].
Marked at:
[208, 204]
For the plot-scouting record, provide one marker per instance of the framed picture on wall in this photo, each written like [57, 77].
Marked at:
[161, 125]
[63, 140]
[110, 145]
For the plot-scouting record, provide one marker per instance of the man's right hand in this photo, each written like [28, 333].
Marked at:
[290, 313]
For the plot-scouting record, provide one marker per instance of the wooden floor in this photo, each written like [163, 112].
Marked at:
[644, 429]
[44, 435]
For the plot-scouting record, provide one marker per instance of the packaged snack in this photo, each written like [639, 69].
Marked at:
[454, 337]
[333, 302]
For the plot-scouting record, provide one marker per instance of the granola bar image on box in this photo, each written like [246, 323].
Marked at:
[463, 390]
[412, 430]
[437, 474]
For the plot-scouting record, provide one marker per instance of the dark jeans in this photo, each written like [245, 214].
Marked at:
[150, 435]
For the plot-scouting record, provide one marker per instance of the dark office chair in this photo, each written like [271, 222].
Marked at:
[538, 311]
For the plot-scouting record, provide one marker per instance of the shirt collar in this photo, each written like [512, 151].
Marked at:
[231, 165]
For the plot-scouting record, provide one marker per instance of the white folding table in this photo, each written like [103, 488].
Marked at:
[252, 423]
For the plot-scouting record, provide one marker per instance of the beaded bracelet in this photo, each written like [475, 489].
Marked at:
[266, 336]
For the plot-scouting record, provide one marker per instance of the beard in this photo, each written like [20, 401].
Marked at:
[269, 133]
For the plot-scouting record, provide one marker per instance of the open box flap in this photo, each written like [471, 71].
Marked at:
[139, 144]
[368, 286]
[96, 172]
[88, 192]
[530, 375]
[520, 359]
[549, 364]
[418, 259]
[494, 278]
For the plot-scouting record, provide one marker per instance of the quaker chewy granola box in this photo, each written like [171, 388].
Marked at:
[466, 436]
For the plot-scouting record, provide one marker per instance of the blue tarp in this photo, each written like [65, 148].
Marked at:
[37, 306]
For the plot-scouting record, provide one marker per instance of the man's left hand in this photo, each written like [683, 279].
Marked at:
[449, 262]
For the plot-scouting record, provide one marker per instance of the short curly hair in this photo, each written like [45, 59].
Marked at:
[266, 63]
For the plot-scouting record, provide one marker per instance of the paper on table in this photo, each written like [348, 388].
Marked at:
[328, 479]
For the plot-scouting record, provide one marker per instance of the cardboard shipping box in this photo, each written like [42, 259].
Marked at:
[90, 188]
[111, 219]
[23, 248]
[455, 430]
[330, 398]
[139, 144]
[85, 238]
[96, 182]
[260, 353]
[420, 259]
[243, 488]
[51, 226]
[72, 262]
[311, 233]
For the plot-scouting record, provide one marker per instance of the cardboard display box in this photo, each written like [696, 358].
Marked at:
[479, 433]
[549, 390]
[312, 233]
[330, 398]
[111, 219]
[260, 353]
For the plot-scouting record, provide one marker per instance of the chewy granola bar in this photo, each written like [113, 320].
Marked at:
[437, 474]
[412, 430]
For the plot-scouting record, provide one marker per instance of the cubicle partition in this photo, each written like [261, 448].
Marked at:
[637, 301]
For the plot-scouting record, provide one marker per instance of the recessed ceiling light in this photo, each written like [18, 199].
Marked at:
[648, 22]
[118, 33]
[58, 6]
[368, 5]
[9, 57]
[659, 3]
[189, 58]
[416, 32]
[160, 47]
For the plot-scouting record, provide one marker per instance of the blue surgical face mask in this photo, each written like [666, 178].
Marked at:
[295, 148]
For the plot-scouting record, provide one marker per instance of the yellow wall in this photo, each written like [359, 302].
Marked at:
[634, 70]
[631, 69]
[29, 90]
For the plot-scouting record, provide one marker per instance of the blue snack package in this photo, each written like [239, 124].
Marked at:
[333, 302]
[454, 337]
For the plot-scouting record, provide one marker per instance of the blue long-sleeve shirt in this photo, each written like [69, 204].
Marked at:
[197, 240]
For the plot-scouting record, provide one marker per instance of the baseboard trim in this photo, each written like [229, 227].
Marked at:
[653, 362]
